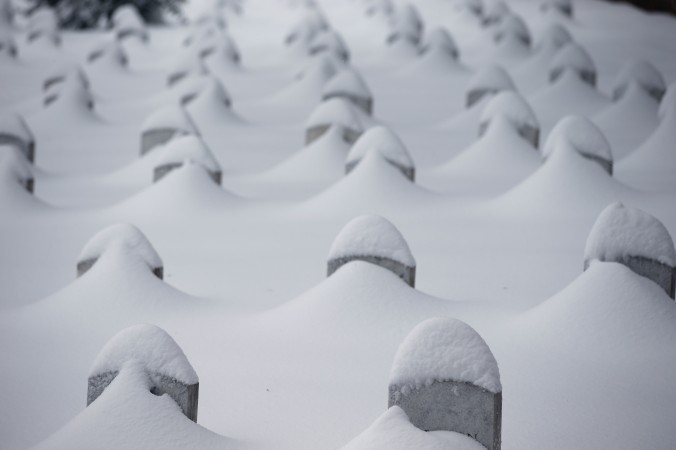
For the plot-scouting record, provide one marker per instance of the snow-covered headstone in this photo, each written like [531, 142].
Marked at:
[383, 140]
[445, 377]
[668, 103]
[517, 111]
[15, 167]
[336, 112]
[108, 52]
[573, 58]
[124, 237]
[165, 364]
[554, 37]
[563, 6]
[63, 72]
[69, 95]
[584, 136]
[494, 12]
[163, 125]
[349, 84]
[44, 26]
[192, 148]
[440, 39]
[644, 74]
[376, 240]
[15, 132]
[512, 25]
[329, 41]
[635, 239]
[7, 45]
[127, 23]
[488, 81]
[189, 62]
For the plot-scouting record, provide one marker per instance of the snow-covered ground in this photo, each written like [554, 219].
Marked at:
[288, 358]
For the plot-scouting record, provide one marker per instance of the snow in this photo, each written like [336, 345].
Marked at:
[555, 37]
[668, 103]
[171, 117]
[572, 57]
[124, 237]
[512, 25]
[13, 124]
[187, 148]
[582, 134]
[14, 165]
[491, 77]
[335, 111]
[513, 107]
[443, 349]
[440, 38]
[383, 140]
[639, 71]
[394, 431]
[347, 81]
[622, 231]
[371, 235]
[148, 345]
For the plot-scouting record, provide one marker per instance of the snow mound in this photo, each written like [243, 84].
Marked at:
[189, 62]
[642, 72]
[171, 117]
[488, 80]
[127, 22]
[443, 349]
[69, 97]
[554, 37]
[108, 53]
[512, 25]
[668, 103]
[335, 111]
[394, 431]
[14, 125]
[621, 232]
[383, 140]
[563, 6]
[582, 134]
[494, 11]
[440, 39]
[575, 58]
[149, 345]
[346, 82]
[14, 166]
[63, 72]
[186, 148]
[371, 235]
[125, 238]
[329, 41]
[513, 107]
[7, 45]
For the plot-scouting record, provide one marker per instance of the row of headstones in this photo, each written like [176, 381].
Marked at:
[432, 388]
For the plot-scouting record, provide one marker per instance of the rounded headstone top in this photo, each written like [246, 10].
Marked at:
[492, 77]
[171, 117]
[107, 51]
[622, 231]
[443, 349]
[187, 148]
[13, 124]
[329, 41]
[125, 237]
[371, 235]
[126, 16]
[148, 345]
[383, 140]
[512, 25]
[494, 11]
[582, 134]
[322, 66]
[439, 38]
[572, 56]
[62, 72]
[511, 106]
[668, 103]
[555, 36]
[335, 111]
[641, 72]
[347, 81]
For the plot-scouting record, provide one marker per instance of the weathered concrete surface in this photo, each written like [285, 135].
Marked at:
[84, 266]
[152, 138]
[365, 103]
[185, 395]
[662, 274]
[453, 406]
[404, 272]
[313, 133]
[161, 171]
[408, 172]
[586, 75]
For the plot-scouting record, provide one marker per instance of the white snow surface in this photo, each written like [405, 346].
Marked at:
[187, 148]
[15, 125]
[123, 237]
[347, 81]
[582, 134]
[382, 139]
[621, 231]
[148, 345]
[573, 56]
[172, 117]
[335, 111]
[491, 77]
[371, 235]
[641, 72]
[441, 349]
[513, 107]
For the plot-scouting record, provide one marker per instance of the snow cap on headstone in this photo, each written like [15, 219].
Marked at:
[63, 72]
[440, 39]
[329, 41]
[621, 232]
[512, 25]
[124, 238]
[445, 349]
[371, 235]
[644, 74]
[494, 11]
[383, 140]
[488, 80]
[109, 53]
[348, 83]
[15, 132]
[187, 63]
[321, 67]
[181, 149]
[44, 24]
[562, 6]
[513, 107]
[554, 37]
[575, 58]
[70, 94]
[170, 117]
[15, 168]
[584, 136]
[127, 22]
[335, 112]
[148, 345]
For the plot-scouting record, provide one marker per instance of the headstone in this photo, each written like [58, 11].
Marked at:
[163, 125]
[186, 148]
[348, 84]
[383, 140]
[517, 111]
[573, 57]
[336, 112]
[644, 74]
[488, 81]
[585, 137]
[15, 132]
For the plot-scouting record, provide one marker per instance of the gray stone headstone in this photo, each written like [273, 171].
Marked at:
[453, 406]
[365, 103]
[475, 95]
[587, 76]
[84, 266]
[164, 169]
[152, 138]
[408, 172]
[313, 133]
[185, 395]
[27, 148]
[529, 133]
[662, 274]
[403, 271]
